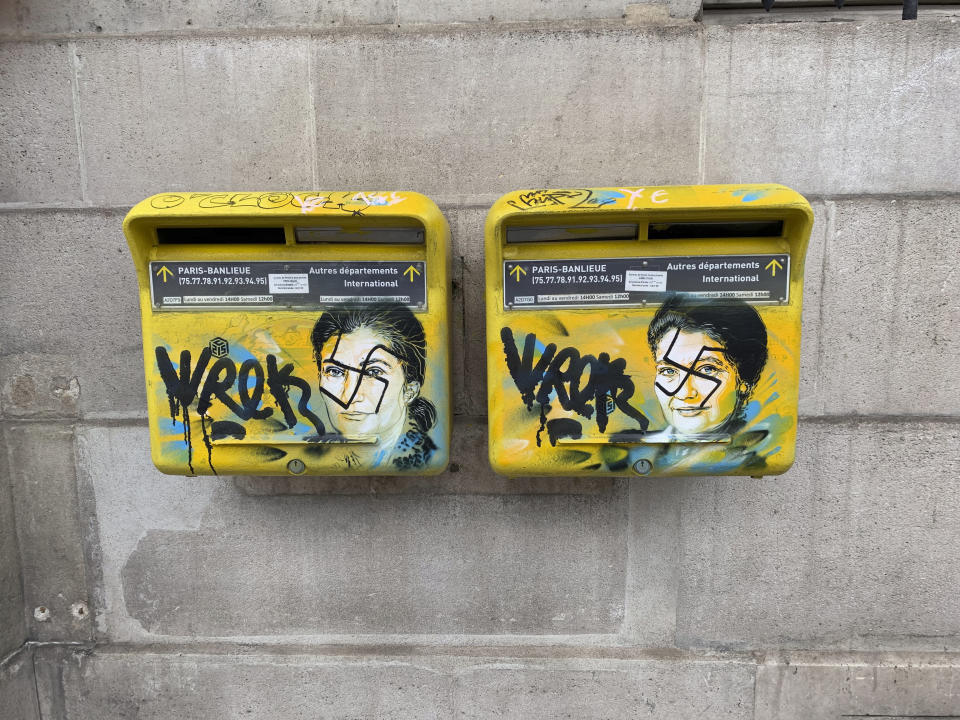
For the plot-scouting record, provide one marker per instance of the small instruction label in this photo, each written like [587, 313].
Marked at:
[298, 283]
[646, 281]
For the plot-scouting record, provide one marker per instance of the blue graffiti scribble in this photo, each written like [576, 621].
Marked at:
[241, 354]
[750, 195]
[751, 411]
[174, 449]
[167, 425]
[718, 467]
[605, 197]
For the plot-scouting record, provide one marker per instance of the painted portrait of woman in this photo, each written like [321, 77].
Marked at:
[371, 362]
[709, 357]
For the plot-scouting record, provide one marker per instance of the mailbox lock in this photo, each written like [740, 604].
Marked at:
[296, 466]
[642, 466]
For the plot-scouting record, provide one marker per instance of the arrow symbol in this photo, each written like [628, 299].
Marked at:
[773, 266]
[164, 273]
[410, 271]
[517, 271]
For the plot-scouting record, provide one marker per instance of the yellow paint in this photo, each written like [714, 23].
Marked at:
[698, 434]
[269, 444]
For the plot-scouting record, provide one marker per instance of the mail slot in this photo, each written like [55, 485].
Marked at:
[294, 332]
[645, 330]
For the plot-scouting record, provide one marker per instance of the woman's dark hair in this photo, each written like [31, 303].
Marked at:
[404, 337]
[731, 323]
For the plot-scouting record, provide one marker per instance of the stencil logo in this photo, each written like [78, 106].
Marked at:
[219, 347]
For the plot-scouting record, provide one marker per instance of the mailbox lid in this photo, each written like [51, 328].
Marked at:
[269, 320]
[575, 277]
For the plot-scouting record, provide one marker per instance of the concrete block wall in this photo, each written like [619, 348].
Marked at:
[827, 592]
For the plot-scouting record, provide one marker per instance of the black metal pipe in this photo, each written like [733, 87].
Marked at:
[910, 9]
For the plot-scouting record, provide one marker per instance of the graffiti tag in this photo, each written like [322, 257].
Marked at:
[561, 374]
[207, 383]
[551, 198]
[351, 203]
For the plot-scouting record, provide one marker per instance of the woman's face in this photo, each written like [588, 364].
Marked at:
[701, 395]
[363, 387]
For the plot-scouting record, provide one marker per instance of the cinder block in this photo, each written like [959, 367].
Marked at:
[660, 12]
[110, 685]
[13, 629]
[469, 473]
[195, 114]
[653, 561]
[18, 688]
[44, 490]
[195, 557]
[159, 687]
[70, 331]
[487, 11]
[450, 11]
[891, 308]
[833, 107]
[546, 109]
[826, 690]
[811, 402]
[138, 16]
[38, 134]
[854, 548]
[656, 689]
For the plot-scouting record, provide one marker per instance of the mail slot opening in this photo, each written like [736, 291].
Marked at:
[220, 236]
[567, 233]
[392, 236]
[695, 230]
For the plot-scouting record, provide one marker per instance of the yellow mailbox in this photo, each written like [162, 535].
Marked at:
[294, 332]
[645, 330]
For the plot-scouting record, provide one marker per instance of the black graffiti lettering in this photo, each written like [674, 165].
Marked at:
[278, 388]
[251, 403]
[613, 382]
[524, 374]
[564, 428]
[187, 384]
[573, 198]
[182, 387]
[279, 381]
[223, 429]
[580, 398]
[220, 379]
[561, 375]
[566, 382]
[303, 404]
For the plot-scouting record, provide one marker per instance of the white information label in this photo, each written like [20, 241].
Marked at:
[646, 281]
[289, 283]
[226, 299]
[583, 297]
[403, 299]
